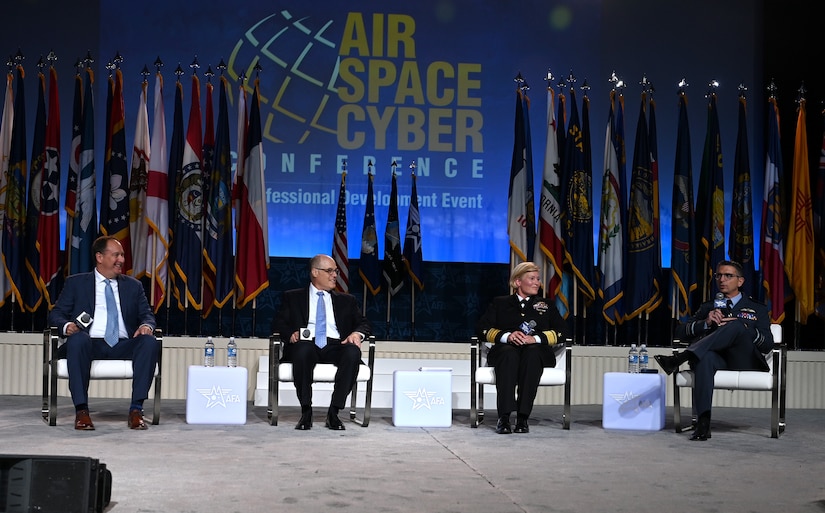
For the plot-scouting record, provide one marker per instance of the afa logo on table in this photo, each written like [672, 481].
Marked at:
[421, 398]
[218, 396]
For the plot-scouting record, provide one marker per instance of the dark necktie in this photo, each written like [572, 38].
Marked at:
[321, 322]
[730, 307]
[112, 334]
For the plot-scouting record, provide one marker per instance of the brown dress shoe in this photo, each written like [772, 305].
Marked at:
[136, 420]
[82, 421]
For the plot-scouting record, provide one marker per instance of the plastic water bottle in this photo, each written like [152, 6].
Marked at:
[633, 359]
[231, 353]
[643, 358]
[209, 353]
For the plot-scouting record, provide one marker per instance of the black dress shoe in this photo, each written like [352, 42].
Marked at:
[305, 423]
[334, 423]
[503, 426]
[521, 426]
[702, 431]
[669, 364]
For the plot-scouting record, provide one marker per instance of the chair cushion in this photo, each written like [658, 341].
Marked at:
[324, 372]
[102, 369]
[732, 380]
[550, 376]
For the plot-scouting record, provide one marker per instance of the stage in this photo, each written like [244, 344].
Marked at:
[177, 467]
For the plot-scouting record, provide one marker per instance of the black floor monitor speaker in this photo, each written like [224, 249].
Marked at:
[53, 484]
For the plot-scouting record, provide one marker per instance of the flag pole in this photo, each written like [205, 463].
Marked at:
[412, 312]
[389, 301]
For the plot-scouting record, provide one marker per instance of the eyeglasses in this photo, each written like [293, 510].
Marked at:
[726, 276]
[330, 271]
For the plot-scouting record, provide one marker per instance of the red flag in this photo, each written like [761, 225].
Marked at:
[141, 153]
[157, 204]
[771, 264]
[251, 270]
[48, 229]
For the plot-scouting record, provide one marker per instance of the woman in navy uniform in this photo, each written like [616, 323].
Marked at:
[522, 328]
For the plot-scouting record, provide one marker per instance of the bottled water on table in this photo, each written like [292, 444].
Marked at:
[231, 353]
[643, 357]
[633, 359]
[209, 353]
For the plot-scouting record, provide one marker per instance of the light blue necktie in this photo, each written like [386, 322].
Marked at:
[321, 322]
[112, 329]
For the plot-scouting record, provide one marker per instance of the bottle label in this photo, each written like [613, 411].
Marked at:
[210, 351]
[231, 352]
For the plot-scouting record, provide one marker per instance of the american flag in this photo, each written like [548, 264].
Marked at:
[339, 240]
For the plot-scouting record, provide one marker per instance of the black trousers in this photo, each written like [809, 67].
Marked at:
[304, 355]
[80, 349]
[518, 372]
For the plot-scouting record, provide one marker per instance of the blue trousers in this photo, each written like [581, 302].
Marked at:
[81, 349]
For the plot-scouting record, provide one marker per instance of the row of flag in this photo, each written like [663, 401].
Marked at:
[171, 206]
[397, 261]
[627, 280]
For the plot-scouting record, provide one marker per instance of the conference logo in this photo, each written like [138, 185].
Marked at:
[360, 81]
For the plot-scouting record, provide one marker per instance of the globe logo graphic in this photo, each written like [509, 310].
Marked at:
[299, 59]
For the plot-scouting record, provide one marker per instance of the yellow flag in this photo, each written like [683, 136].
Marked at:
[799, 252]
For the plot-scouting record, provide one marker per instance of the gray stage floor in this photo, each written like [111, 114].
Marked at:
[176, 467]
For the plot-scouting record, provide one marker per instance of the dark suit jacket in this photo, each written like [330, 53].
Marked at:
[294, 314]
[752, 314]
[79, 296]
[505, 314]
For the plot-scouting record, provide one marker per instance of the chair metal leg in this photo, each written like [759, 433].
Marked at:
[53, 379]
[44, 411]
[473, 385]
[274, 353]
[677, 406]
[158, 379]
[365, 421]
[568, 357]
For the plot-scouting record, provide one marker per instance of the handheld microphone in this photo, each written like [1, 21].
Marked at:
[719, 301]
[83, 320]
[527, 327]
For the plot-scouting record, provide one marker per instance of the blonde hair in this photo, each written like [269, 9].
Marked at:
[520, 270]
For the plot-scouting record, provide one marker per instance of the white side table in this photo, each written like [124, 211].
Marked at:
[216, 395]
[634, 401]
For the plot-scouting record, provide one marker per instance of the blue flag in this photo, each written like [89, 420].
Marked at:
[84, 226]
[741, 219]
[217, 244]
[710, 205]
[32, 289]
[114, 203]
[643, 289]
[369, 269]
[578, 200]
[175, 165]
[393, 263]
[189, 211]
[413, 255]
[683, 238]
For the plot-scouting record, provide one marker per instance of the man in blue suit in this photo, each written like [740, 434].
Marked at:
[122, 326]
[335, 339]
